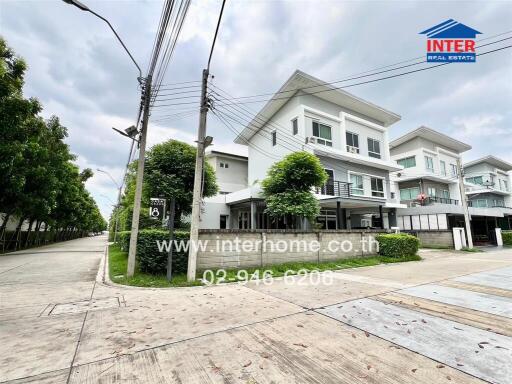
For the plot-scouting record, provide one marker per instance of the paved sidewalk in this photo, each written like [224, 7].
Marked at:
[444, 319]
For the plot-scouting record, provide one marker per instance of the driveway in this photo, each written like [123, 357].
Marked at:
[447, 319]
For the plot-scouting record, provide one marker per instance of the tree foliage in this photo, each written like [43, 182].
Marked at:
[38, 181]
[288, 186]
[169, 172]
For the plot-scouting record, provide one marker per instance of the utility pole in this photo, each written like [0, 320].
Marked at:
[467, 217]
[140, 176]
[198, 179]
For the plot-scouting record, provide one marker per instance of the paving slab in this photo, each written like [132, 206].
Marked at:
[497, 305]
[55, 377]
[500, 278]
[157, 317]
[29, 348]
[304, 292]
[302, 348]
[480, 353]
[477, 288]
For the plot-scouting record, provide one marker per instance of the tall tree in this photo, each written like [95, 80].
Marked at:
[288, 187]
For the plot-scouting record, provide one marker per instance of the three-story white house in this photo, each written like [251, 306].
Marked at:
[350, 137]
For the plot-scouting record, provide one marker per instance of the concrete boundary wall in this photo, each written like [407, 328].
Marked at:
[432, 238]
[257, 248]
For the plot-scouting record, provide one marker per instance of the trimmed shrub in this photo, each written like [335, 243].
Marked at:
[149, 258]
[507, 238]
[398, 245]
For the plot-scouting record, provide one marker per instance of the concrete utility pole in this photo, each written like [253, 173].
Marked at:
[198, 179]
[140, 176]
[467, 217]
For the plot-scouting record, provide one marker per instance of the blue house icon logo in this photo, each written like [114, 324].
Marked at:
[449, 42]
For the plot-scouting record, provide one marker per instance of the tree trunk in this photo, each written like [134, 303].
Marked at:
[27, 239]
[4, 223]
[16, 233]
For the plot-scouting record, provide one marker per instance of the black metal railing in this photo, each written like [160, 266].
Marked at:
[441, 200]
[335, 188]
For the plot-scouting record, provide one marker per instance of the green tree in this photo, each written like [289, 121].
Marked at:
[288, 187]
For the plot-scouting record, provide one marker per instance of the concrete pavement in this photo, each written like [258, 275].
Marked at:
[444, 319]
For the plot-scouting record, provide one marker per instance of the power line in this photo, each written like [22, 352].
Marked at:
[216, 32]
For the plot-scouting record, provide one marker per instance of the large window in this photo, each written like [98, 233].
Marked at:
[407, 162]
[480, 203]
[475, 180]
[503, 185]
[373, 148]
[431, 191]
[357, 184]
[323, 133]
[295, 126]
[409, 193]
[453, 169]
[443, 167]
[429, 163]
[377, 187]
[352, 142]
[445, 193]
[498, 203]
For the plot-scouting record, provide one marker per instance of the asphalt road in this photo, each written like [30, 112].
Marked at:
[446, 319]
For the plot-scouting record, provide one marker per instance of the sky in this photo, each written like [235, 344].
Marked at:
[80, 73]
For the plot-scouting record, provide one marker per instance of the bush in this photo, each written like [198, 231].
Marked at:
[149, 258]
[507, 238]
[398, 245]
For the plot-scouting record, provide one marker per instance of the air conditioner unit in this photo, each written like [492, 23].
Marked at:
[353, 150]
[311, 140]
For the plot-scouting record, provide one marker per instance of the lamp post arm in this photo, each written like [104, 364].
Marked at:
[118, 38]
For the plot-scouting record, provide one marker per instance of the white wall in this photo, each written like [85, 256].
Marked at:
[234, 177]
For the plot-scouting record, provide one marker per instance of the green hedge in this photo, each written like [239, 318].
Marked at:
[149, 258]
[398, 245]
[507, 238]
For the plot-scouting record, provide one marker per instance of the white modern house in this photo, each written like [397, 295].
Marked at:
[429, 185]
[350, 137]
[488, 187]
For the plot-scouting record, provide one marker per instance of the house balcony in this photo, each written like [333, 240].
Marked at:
[441, 200]
[335, 188]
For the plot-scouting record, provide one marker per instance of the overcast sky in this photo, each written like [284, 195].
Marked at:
[81, 74]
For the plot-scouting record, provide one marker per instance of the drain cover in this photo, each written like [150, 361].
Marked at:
[86, 305]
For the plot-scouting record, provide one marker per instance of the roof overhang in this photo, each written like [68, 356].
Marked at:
[301, 83]
[433, 136]
[494, 161]
[322, 150]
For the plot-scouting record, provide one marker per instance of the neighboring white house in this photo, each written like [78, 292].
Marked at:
[429, 185]
[350, 137]
[488, 187]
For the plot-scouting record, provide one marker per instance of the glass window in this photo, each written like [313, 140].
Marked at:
[429, 163]
[357, 184]
[481, 203]
[274, 138]
[323, 133]
[223, 221]
[475, 180]
[377, 187]
[409, 193]
[295, 126]
[431, 191]
[445, 193]
[352, 142]
[373, 148]
[505, 185]
[453, 169]
[499, 203]
[443, 167]
[407, 162]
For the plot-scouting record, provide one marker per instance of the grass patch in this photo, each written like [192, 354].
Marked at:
[118, 262]
[475, 250]
[279, 270]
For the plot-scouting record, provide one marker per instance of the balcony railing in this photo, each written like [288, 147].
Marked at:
[335, 188]
[441, 200]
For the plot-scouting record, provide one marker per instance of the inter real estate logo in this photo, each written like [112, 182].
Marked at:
[449, 42]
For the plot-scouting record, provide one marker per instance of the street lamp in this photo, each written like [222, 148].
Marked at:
[144, 111]
[129, 132]
[85, 8]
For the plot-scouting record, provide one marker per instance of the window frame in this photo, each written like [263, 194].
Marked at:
[353, 134]
[352, 184]
[407, 158]
[319, 139]
[409, 189]
[376, 192]
[453, 169]
[295, 126]
[427, 162]
[442, 165]
[373, 153]
[429, 189]
[274, 138]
